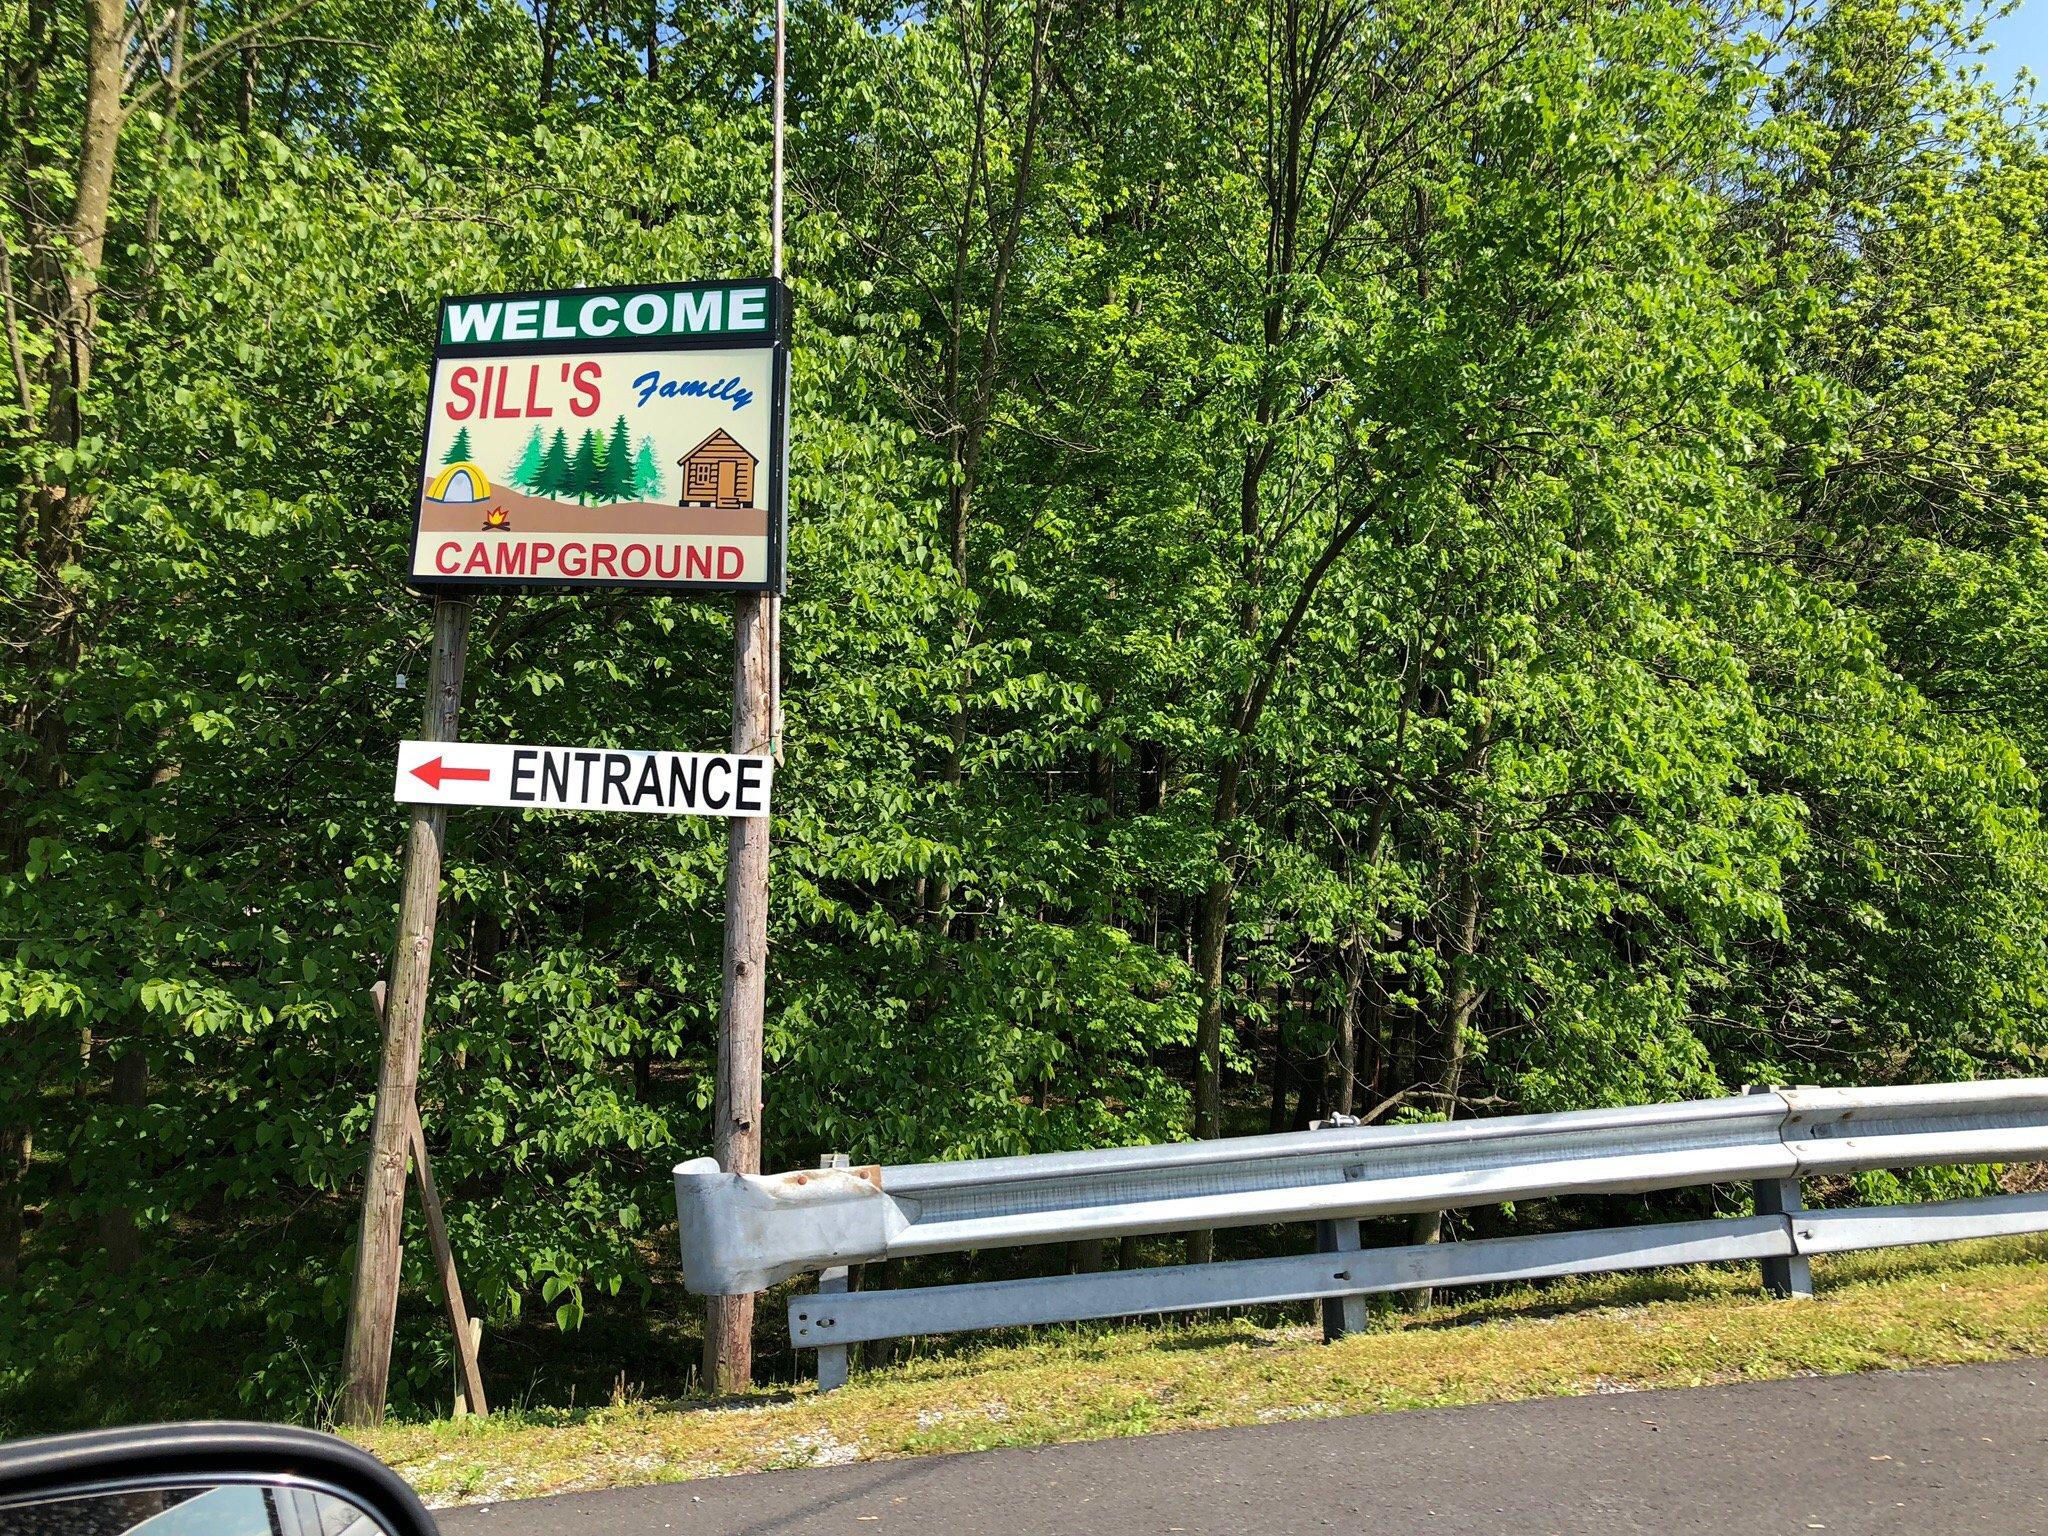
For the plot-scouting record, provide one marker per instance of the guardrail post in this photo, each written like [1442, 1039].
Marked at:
[833, 1366]
[1341, 1314]
[1793, 1275]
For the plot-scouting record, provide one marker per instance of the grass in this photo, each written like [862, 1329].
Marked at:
[1669, 1328]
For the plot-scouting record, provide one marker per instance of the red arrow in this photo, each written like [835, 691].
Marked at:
[434, 771]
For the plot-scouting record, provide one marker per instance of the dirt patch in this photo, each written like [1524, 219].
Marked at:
[538, 514]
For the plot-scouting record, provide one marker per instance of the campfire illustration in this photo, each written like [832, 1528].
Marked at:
[497, 520]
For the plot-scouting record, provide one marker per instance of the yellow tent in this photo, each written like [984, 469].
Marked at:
[460, 481]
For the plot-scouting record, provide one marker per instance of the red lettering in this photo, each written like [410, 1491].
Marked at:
[585, 377]
[462, 385]
[543, 554]
[730, 562]
[664, 567]
[479, 559]
[626, 559]
[575, 558]
[441, 559]
[604, 560]
[533, 405]
[697, 560]
[511, 559]
[498, 405]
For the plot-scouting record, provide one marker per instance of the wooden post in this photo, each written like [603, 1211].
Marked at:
[736, 1106]
[742, 999]
[465, 1361]
[373, 1300]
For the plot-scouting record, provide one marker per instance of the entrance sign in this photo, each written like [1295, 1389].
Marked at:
[607, 437]
[583, 779]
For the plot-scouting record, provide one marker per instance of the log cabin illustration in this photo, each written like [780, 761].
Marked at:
[718, 472]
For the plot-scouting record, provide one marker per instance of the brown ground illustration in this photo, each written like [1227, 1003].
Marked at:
[536, 514]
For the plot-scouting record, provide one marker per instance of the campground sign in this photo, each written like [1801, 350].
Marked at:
[611, 437]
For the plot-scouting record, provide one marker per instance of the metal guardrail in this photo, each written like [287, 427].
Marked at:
[742, 1233]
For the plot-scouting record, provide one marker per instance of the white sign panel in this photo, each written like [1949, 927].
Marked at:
[583, 779]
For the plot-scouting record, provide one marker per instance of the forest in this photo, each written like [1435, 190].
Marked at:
[1361, 556]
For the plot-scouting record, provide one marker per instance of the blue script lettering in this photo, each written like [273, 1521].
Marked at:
[653, 386]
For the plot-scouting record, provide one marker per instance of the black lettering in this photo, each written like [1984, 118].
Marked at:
[522, 768]
[616, 766]
[682, 782]
[554, 776]
[588, 760]
[748, 796]
[710, 768]
[649, 786]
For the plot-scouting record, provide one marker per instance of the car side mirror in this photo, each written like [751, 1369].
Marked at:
[203, 1480]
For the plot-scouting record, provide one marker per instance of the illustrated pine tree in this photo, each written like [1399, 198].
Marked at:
[648, 484]
[554, 476]
[458, 451]
[526, 474]
[586, 471]
[617, 475]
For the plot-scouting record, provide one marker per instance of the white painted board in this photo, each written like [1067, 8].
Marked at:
[583, 779]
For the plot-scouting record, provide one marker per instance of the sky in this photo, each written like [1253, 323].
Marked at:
[2022, 40]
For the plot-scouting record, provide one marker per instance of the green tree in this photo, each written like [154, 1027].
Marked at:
[1528, 593]
[458, 450]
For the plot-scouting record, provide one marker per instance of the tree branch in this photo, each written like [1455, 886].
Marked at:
[14, 348]
[201, 64]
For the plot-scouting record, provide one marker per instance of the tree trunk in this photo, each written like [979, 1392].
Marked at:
[1461, 996]
[1345, 1096]
[17, 1145]
[974, 422]
[544, 21]
[1308, 1103]
[118, 1232]
[1212, 924]
[1283, 1062]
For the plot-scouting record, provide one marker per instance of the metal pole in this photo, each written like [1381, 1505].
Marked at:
[776, 179]
[756, 707]
[775, 171]
[373, 1299]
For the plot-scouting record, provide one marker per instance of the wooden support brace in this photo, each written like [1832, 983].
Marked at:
[468, 1332]
[466, 1369]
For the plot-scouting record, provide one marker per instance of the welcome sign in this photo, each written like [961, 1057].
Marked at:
[614, 437]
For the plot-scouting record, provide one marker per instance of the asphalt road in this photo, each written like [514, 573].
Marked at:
[1920, 1452]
